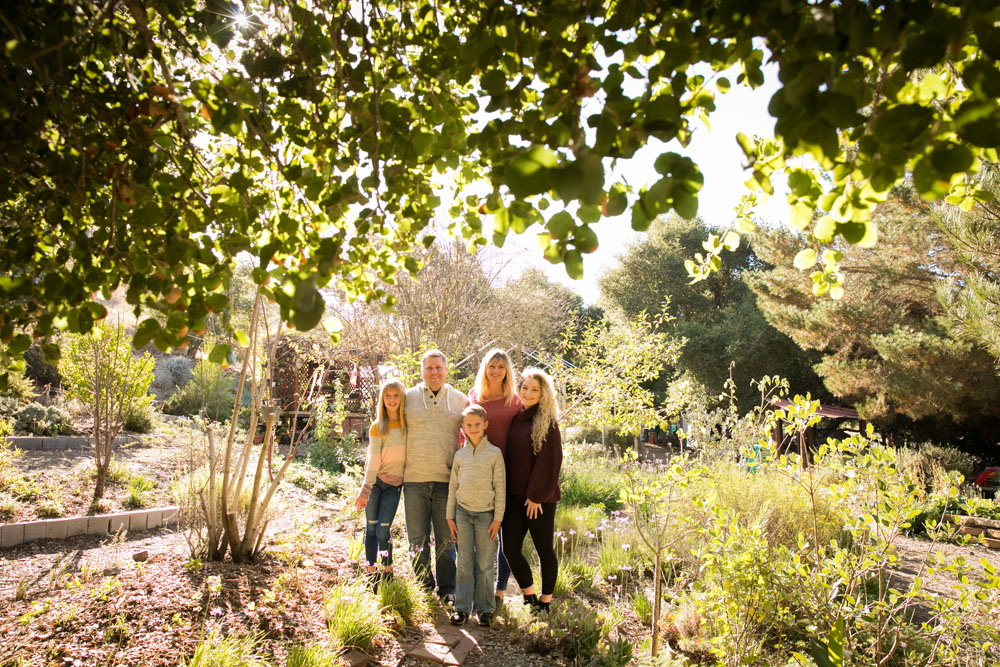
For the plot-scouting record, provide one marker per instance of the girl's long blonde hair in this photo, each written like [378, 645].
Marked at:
[545, 418]
[382, 415]
[507, 385]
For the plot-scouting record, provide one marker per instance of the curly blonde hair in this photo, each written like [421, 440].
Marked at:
[545, 418]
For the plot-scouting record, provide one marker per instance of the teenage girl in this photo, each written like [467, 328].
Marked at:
[383, 480]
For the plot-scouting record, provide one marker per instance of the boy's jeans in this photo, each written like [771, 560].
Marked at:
[379, 513]
[426, 504]
[476, 552]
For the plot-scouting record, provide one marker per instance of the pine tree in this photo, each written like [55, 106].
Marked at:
[886, 346]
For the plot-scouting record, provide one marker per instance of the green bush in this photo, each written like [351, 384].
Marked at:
[38, 419]
[403, 599]
[591, 482]
[353, 617]
[40, 371]
[137, 492]
[232, 651]
[312, 655]
[19, 387]
[929, 464]
[211, 391]
[138, 418]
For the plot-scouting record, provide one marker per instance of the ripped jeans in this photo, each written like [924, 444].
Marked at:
[379, 513]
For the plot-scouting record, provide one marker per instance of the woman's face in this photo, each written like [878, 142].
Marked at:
[496, 371]
[530, 392]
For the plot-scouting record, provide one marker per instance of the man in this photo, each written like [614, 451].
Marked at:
[433, 412]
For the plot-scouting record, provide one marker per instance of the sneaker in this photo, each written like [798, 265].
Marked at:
[448, 600]
[486, 619]
[458, 618]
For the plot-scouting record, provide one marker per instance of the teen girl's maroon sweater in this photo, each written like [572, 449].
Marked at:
[535, 476]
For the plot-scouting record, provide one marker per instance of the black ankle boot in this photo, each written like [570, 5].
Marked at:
[544, 606]
[532, 601]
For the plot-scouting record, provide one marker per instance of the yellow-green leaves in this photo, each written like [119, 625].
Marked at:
[805, 259]
[529, 173]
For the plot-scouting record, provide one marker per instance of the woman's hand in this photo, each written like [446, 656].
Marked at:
[453, 528]
[494, 529]
[534, 509]
[360, 502]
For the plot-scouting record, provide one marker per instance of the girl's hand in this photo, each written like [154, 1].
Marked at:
[494, 529]
[360, 502]
[534, 509]
[454, 530]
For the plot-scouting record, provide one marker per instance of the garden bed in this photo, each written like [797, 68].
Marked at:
[57, 484]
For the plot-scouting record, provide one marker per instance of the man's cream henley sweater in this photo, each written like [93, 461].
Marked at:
[432, 425]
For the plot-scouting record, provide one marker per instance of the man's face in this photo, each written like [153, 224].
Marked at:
[434, 372]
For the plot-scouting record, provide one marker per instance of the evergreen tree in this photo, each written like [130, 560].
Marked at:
[886, 347]
[718, 316]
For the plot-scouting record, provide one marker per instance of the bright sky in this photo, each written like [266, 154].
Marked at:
[721, 161]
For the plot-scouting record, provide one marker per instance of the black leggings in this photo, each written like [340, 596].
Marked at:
[516, 525]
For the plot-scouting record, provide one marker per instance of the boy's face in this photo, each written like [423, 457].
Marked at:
[474, 427]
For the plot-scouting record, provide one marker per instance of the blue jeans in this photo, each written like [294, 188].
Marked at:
[475, 561]
[426, 503]
[503, 569]
[379, 512]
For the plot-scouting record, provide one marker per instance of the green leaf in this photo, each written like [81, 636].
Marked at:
[242, 339]
[950, 158]
[19, 345]
[560, 224]
[220, 354]
[530, 173]
[805, 259]
[825, 229]
[685, 204]
[731, 240]
[144, 333]
[308, 306]
[617, 203]
[902, 124]
[863, 234]
[574, 264]
[585, 239]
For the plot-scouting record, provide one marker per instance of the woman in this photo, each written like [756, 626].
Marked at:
[494, 390]
[533, 458]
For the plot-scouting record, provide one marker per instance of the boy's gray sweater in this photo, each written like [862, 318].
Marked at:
[478, 480]
[432, 425]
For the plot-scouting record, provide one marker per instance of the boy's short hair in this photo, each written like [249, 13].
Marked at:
[475, 409]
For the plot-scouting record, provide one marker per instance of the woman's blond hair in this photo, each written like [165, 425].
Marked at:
[506, 386]
[546, 416]
[382, 415]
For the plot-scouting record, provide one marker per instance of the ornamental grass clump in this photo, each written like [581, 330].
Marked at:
[403, 599]
[231, 651]
[353, 617]
[312, 655]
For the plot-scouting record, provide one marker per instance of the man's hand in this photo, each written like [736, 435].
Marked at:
[454, 530]
[494, 529]
[360, 502]
[534, 509]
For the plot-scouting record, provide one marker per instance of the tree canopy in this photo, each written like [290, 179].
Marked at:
[887, 347]
[146, 143]
[718, 316]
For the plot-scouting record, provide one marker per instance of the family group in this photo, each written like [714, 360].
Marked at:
[482, 470]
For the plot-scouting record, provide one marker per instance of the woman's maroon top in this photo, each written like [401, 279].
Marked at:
[499, 416]
[535, 476]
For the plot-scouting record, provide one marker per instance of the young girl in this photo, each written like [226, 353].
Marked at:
[383, 481]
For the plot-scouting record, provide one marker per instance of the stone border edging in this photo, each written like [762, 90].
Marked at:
[13, 534]
[63, 442]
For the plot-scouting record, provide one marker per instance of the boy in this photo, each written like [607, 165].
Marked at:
[476, 497]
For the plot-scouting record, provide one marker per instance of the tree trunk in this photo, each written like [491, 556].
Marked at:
[655, 638]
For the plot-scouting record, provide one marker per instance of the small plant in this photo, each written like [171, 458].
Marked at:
[23, 586]
[139, 487]
[232, 651]
[50, 508]
[353, 617]
[8, 505]
[312, 655]
[642, 606]
[38, 419]
[403, 599]
[118, 473]
[65, 615]
[118, 632]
